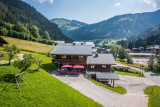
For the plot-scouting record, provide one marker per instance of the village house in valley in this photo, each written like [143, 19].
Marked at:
[98, 66]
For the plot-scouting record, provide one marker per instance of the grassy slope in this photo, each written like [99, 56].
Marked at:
[45, 90]
[29, 45]
[117, 89]
[154, 98]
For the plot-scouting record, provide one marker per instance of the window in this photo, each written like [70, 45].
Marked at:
[71, 57]
[92, 66]
[63, 56]
[103, 66]
[80, 57]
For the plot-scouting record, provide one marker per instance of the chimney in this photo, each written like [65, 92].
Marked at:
[96, 55]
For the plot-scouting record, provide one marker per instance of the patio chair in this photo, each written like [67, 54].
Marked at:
[63, 72]
[74, 72]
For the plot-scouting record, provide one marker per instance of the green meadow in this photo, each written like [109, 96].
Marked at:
[45, 90]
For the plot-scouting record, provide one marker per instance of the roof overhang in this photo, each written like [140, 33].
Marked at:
[105, 75]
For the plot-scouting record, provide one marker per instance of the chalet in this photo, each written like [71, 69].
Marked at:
[96, 65]
[72, 54]
[141, 55]
[155, 49]
[2, 42]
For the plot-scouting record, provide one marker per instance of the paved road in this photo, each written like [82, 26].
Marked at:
[150, 75]
[134, 85]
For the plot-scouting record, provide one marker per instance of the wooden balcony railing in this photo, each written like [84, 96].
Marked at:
[70, 61]
[101, 69]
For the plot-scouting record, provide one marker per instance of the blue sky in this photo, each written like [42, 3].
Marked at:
[92, 11]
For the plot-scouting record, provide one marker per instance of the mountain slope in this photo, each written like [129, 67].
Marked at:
[68, 25]
[118, 27]
[151, 31]
[14, 11]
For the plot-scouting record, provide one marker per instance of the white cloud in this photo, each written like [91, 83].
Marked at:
[117, 4]
[50, 1]
[154, 3]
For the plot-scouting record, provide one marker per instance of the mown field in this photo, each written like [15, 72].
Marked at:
[29, 45]
[45, 90]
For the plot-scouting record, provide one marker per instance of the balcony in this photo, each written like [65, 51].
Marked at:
[69, 61]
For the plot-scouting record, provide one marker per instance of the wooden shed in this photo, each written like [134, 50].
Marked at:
[2, 41]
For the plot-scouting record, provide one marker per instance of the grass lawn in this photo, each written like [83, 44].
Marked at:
[117, 89]
[129, 73]
[134, 64]
[6, 57]
[45, 90]
[154, 96]
[29, 45]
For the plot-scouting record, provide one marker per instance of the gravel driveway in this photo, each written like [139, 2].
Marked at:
[134, 85]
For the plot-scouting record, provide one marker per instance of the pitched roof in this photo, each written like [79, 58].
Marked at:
[86, 43]
[90, 43]
[105, 75]
[106, 59]
[3, 41]
[72, 49]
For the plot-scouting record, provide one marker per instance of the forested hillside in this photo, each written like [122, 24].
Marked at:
[151, 31]
[118, 27]
[20, 14]
[68, 25]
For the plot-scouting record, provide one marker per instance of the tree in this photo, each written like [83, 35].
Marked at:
[129, 59]
[157, 64]
[35, 31]
[46, 35]
[11, 51]
[130, 45]
[114, 50]
[151, 62]
[3, 31]
[39, 63]
[24, 64]
[122, 53]
[20, 28]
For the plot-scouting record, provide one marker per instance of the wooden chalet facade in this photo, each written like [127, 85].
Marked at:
[72, 54]
[2, 42]
[98, 66]
[81, 54]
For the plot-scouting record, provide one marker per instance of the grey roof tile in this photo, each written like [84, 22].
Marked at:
[70, 49]
[105, 75]
[101, 59]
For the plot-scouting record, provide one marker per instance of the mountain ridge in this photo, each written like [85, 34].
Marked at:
[68, 25]
[118, 26]
[14, 11]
